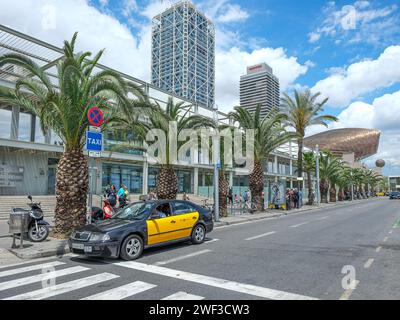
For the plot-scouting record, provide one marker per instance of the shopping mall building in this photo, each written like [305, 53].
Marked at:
[28, 159]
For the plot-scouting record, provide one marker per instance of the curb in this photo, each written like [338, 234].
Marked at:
[28, 253]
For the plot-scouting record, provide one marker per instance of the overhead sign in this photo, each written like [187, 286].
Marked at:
[95, 116]
[94, 141]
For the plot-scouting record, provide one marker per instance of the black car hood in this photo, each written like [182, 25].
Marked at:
[107, 225]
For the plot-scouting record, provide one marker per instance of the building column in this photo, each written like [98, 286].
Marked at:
[276, 164]
[231, 178]
[33, 127]
[14, 123]
[145, 175]
[196, 181]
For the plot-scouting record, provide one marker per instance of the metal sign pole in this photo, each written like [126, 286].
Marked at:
[216, 177]
[317, 173]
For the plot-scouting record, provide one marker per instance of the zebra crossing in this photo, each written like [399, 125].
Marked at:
[70, 280]
[44, 273]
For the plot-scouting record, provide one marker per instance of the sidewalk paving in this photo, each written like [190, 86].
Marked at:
[55, 247]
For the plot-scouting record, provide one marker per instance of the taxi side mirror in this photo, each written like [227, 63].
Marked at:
[154, 215]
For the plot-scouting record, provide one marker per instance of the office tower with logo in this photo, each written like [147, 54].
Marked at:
[183, 53]
[259, 86]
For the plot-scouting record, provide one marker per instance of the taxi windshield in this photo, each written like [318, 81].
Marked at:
[135, 211]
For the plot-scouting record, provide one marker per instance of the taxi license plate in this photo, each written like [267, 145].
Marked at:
[78, 246]
[88, 249]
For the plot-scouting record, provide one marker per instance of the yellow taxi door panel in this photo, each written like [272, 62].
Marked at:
[162, 229]
[186, 223]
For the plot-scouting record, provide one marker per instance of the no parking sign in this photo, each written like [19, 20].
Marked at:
[95, 116]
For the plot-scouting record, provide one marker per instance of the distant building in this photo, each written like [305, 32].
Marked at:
[183, 53]
[394, 183]
[259, 86]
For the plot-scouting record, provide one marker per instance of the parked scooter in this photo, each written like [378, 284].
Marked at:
[38, 228]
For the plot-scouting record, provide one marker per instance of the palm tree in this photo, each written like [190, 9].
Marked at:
[301, 112]
[269, 134]
[309, 167]
[167, 181]
[63, 108]
[328, 171]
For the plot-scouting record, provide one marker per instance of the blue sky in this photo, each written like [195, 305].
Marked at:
[347, 50]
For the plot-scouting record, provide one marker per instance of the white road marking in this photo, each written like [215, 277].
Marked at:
[209, 241]
[180, 295]
[182, 257]
[260, 235]
[122, 292]
[322, 218]
[65, 287]
[39, 277]
[378, 249]
[385, 239]
[236, 224]
[30, 268]
[25, 262]
[300, 224]
[214, 282]
[368, 263]
[390, 231]
[347, 293]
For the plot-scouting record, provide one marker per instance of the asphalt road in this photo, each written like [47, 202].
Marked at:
[297, 256]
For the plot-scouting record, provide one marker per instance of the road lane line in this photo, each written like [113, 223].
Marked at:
[368, 263]
[214, 282]
[39, 277]
[209, 241]
[260, 235]
[347, 293]
[122, 292]
[180, 295]
[65, 287]
[182, 257]
[30, 268]
[300, 224]
[322, 218]
[378, 249]
[385, 239]
[390, 231]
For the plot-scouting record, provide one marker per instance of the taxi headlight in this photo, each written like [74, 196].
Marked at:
[99, 237]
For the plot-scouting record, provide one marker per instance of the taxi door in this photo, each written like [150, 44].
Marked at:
[186, 217]
[162, 229]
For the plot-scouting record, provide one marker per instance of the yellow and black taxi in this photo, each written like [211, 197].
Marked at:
[141, 225]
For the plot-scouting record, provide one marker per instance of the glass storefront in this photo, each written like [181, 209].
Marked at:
[184, 181]
[5, 123]
[24, 128]
[116, 174]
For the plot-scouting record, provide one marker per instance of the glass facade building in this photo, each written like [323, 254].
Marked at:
[183, 53]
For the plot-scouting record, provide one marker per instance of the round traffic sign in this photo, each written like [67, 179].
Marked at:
[95, 116]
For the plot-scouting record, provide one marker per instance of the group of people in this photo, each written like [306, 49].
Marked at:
[294, 199]
[121, 196]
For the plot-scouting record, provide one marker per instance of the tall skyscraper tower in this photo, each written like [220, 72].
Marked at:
[183, 53]
[259, 86]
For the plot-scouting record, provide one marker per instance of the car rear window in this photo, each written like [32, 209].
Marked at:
[183, 207]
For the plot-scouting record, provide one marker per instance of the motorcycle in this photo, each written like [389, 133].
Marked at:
[38, 228]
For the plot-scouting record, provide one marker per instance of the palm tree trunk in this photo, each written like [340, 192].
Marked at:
[223, 193]
[71, 193]
[310, 190]
[332, 194]
[300, 158]
[324, 191]
[167, 183]
[256, 184]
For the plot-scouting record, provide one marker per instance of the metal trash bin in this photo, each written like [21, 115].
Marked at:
[18, 224]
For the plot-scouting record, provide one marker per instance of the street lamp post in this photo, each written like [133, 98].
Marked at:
[352, 186]
[216, 162]
[317, 173]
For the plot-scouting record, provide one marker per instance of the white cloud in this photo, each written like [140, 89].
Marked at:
[361, 22]
[233, 13]
[382, 114]
[128, 7]
[344, 85]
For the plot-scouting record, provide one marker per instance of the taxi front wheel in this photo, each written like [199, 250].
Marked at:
[198, 234]
[132, 247]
